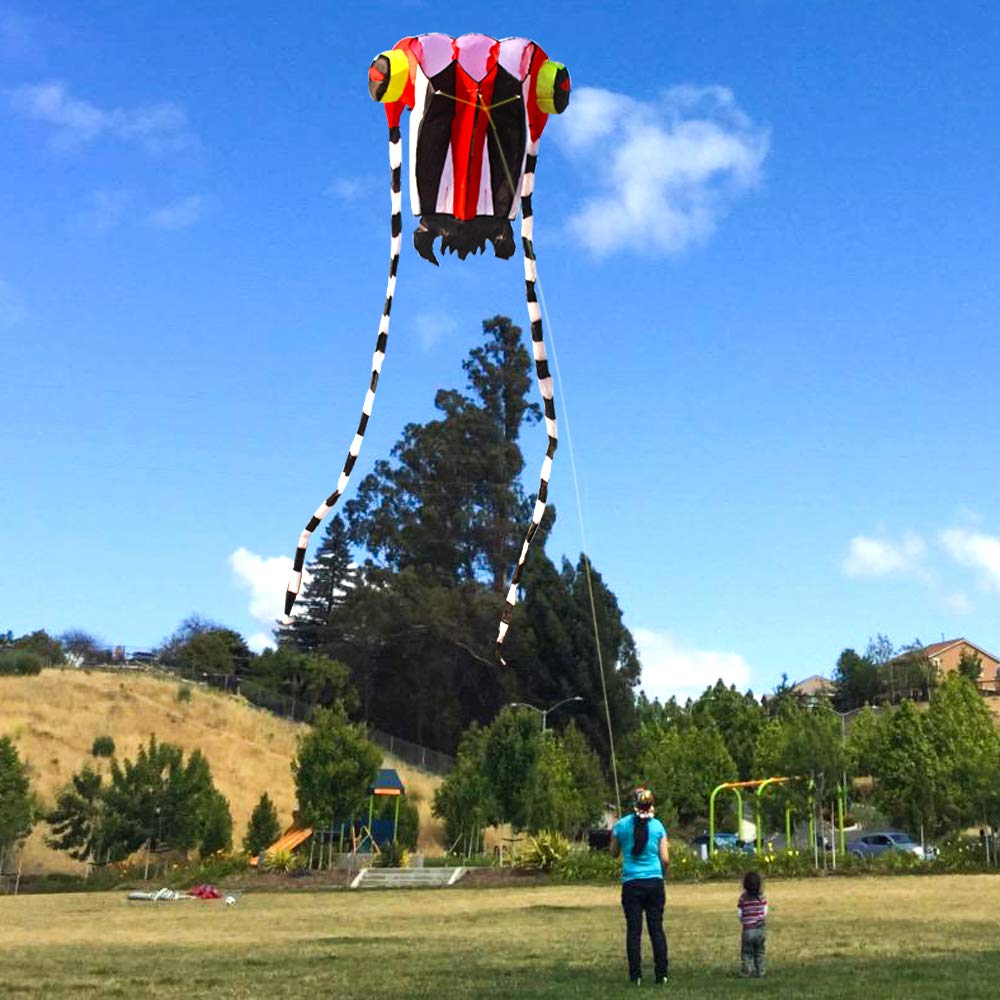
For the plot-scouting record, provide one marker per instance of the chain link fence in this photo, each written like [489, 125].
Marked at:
[295, 709]
[412, 753]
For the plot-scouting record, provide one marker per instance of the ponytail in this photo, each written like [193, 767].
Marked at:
[640, 835]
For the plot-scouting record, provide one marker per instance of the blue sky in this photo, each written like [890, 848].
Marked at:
[767, 241]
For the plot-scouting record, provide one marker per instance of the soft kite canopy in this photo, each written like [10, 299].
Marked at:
[479, 107]
[476, 105]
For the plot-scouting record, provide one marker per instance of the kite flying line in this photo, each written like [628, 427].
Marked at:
[532, 279]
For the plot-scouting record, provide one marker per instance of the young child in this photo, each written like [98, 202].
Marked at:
[752, 911]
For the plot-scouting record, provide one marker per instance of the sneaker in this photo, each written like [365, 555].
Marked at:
[665, 981]
[636, 982]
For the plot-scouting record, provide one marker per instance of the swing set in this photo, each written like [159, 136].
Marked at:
[759, 786]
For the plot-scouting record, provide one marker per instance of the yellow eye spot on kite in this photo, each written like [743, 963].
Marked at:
[554, 87]
[388, 76]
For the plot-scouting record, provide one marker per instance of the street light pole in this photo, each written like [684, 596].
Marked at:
[544, 712]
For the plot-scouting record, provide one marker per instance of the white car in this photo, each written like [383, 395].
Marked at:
[874, 845]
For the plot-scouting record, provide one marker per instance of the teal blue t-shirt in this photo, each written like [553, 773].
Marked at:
[647, 865]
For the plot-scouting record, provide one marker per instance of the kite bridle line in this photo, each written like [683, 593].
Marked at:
[545, 380]
[396, 165]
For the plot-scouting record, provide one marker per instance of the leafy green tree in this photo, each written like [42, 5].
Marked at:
[159, 799]
[263, 829]
[43, 645]
[864, 740]
[450, 499]
[440, 526]
[309, 678]
[970, 665]
[208, 652]
[216, 832]
[78, 821]
[463, 800]
[738, 718]
[588, 776]
[807, 742]
[553, 647]
[910, 778]
[17, 805]
[511, 753]
[103, 746]
[857, 680]
[408, 825]
[421, 653]
[529, 775]
[879, 650]
[203, 645]
[549, 800]
[335, 765]
[682, 764]
[967, 746]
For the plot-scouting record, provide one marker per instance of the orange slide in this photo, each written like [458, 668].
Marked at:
[288, 841]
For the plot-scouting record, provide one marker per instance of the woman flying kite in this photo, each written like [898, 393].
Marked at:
[478, 108]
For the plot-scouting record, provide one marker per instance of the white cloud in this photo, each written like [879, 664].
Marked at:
[12, 310]
[871, 557]
[669, 667]
[976, 550]
[664, 170]
[178, 214]
[266, 578]
[157, 128]
[260, 641]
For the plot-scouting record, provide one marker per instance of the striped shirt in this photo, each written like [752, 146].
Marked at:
[751, 910]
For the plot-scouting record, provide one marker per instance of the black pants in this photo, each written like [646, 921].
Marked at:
[644, 896]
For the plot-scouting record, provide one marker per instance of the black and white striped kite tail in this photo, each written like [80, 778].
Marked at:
[544, 384]
[295, 579]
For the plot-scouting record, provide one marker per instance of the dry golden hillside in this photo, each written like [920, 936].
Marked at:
[54, 717]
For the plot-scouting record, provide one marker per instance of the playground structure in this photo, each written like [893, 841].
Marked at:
[354, 836]
[760, 785]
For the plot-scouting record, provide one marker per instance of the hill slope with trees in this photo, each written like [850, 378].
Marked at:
[54, 718]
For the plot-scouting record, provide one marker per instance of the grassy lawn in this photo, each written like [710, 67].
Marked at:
[877, 937]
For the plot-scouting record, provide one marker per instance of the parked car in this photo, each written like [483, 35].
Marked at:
[874, 845]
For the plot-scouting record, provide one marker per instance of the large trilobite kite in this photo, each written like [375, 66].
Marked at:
[478, 108]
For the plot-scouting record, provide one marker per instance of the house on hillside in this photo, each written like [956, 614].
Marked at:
[946, 655]
[814, 687]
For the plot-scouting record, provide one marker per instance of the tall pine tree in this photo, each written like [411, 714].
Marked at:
[332, 576]
[450, 500]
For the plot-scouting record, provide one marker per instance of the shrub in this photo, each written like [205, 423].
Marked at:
[280, 861]
[20, 662]
[213, 869]
[408, 829]
[103, 746]
[217, 826]
[542, 851]
[588, 866]
[263, 829]
[184, 692]
[392, 855]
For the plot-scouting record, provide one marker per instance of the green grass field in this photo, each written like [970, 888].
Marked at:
[876, 937]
